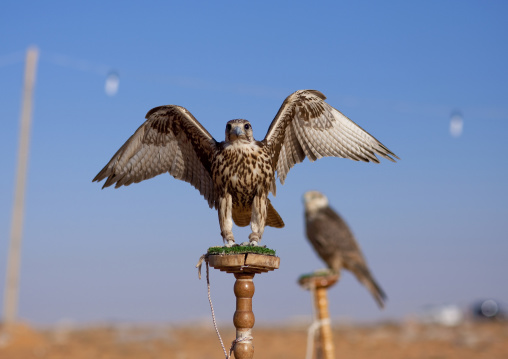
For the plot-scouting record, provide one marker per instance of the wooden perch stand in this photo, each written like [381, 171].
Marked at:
[244, 266]
[319, 283]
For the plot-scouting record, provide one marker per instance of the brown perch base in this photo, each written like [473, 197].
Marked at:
[321, 282]
[244, 267]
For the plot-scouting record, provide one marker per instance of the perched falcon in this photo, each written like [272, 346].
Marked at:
[335, 244]
[236, 175]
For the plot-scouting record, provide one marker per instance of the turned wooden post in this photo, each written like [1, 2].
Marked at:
[325, 332]
[243, 319]
[319, 284]
[244, 267]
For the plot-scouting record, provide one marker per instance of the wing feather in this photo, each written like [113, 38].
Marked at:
[306, 126]
[170, 140]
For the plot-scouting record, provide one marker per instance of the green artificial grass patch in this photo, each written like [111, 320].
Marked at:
[241, 250]
[318, 273]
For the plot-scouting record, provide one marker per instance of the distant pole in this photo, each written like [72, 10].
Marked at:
[319, 283]
[14, 255]
[321, 303]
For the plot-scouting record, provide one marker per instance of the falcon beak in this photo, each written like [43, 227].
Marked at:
[237, 131]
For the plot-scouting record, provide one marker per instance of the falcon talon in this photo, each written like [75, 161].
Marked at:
[229, 243]
[236, 176]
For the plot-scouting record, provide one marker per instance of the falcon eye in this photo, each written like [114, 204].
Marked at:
[246, 126]
[228, 127]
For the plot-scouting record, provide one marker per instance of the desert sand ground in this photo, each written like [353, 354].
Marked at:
[395, 340]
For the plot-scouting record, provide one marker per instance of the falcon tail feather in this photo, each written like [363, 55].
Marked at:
[365, 277]
[273, 218]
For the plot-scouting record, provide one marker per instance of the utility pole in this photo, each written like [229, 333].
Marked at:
[14, 255]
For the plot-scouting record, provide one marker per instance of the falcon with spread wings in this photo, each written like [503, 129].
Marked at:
[236, 175]
[335, 244]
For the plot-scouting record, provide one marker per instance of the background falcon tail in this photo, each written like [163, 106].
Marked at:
[363, 275]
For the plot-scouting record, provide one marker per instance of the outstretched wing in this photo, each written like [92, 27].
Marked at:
[171, 140]
[306, 126]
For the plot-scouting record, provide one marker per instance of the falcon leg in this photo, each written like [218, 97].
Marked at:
[258, 218]
[226, 220]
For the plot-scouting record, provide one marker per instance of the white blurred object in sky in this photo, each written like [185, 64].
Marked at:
[456, 124]
[112, 83]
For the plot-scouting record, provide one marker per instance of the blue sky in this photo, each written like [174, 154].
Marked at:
[431, 226]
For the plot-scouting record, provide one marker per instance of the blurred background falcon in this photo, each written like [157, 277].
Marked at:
[335, 244]
[235, 176]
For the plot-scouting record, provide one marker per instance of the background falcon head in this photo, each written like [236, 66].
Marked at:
[314, 201]
[239, 130]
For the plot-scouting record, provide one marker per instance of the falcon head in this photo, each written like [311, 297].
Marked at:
[314, 201]
[239, 130]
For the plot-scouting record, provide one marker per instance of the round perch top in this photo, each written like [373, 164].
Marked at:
[243, 262]
[318, 279]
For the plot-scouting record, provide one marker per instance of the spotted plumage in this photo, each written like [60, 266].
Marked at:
[334, 242]
[235, 176]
